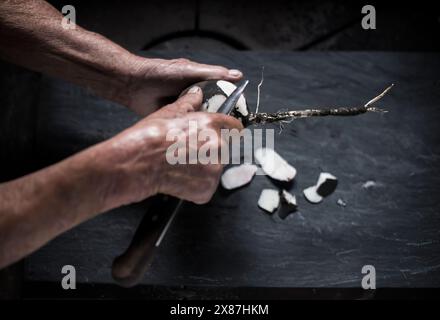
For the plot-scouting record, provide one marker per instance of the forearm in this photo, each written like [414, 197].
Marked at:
[128, 168]
[36, 208]
[31, 35]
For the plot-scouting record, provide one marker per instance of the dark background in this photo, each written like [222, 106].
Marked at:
[215, 26]
[262, 25]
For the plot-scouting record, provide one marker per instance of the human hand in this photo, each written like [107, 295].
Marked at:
[138, 155]
[152, 82]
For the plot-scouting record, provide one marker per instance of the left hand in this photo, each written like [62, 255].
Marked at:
[154, 82]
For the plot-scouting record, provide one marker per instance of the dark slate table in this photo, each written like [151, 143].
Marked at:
[394, 226]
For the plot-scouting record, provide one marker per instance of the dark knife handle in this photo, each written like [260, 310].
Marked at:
[129, 268]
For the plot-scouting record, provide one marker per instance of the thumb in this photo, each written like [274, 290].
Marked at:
[191, 101]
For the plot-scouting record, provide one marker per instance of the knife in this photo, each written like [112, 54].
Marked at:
[129, 268]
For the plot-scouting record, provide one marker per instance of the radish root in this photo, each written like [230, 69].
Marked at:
[285, 116]
[259, 90]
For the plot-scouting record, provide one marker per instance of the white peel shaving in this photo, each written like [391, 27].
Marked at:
[274, 165]
[228, 88]
[238, 176]
[311, 194]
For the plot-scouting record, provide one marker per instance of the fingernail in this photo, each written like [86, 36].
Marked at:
[235, 73]
[194, 89]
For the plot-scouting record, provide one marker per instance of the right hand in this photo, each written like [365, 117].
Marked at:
[138, 155]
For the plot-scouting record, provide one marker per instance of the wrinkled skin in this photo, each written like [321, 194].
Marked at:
[31, 35]
[139, 153]
[158, 80]
[124, 169]
[127, 168]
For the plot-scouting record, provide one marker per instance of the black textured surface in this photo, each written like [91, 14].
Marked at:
[260, 25]
[394, 225]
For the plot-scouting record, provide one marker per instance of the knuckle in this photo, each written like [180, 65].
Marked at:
[182, 61]
[204, 119]
[212, 121]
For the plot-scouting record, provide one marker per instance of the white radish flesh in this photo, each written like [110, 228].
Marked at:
[325, 186]
[288, 198]
[228, 87]
[274, 165]
[269, 200]
[311, 195]
[288, 204]
[238, 176]
[214, 103]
